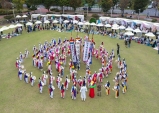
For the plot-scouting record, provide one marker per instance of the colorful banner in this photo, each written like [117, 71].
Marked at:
[91, 50]
[72, 45]
[86, 50]
[77, 45]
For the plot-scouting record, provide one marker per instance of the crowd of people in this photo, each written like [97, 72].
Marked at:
[57, 53]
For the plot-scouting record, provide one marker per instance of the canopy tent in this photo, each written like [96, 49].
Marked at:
[150, 34]
[129, 33]
[137, 31]
[75, 21]
[80, 23]
[24, 16]
[34, 16]
[29, 23]
[108, 25]
[121, 27]
[55, 21]
[46, 21]
[38, 22]
[18, 16]
[99, 25]
[93, 24]
[129, 29]
[86, 23]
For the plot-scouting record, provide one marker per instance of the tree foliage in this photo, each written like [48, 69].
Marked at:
[5, 4]
[48, 3]
[62, 2]
[106, 5]
[90, 2]
[19, 4]
[115, 2]
[75, 3]
[32, 3]
[140, 4]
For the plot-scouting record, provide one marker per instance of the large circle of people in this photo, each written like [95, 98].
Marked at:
[56, 53]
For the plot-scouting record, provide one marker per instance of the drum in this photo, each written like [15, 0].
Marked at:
[53, 78]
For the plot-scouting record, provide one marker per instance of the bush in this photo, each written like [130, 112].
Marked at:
[5, 12]
[8, 17]
[154, 20]
[96, 16]
[92, 20]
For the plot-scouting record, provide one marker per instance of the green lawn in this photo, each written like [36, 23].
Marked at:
[18, 97]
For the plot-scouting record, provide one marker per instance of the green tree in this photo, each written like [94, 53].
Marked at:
[32, 3]
[106, 5]
[75, 3]
[19, 4]
[115, 2]
[90, 2]
[123, 4]
[62, 3]
[140, 5]
[48, 3]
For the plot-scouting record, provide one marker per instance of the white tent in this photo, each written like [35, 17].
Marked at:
[34, 16]
[121, 27]
[18, 16]
[93, 24]
[137, 31]
[86, 23]
[129, 33]
[129, 29]
[75, 21]
[66, 21]
[115, 27]
[80, 23]
[107, 25]
[46, 22]
[24, 16]
[150, 34]
[38, 22]
[99, 25]
[55, 21]
[29, 23]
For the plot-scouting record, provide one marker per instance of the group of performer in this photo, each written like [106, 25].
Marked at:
[57, 53]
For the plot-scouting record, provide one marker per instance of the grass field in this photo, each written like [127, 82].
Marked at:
[18, 97]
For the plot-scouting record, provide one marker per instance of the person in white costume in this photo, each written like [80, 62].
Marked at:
[83, 91]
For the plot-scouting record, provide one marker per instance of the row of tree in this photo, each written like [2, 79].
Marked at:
[106, 5]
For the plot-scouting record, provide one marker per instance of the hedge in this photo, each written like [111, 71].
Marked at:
[8, 17]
